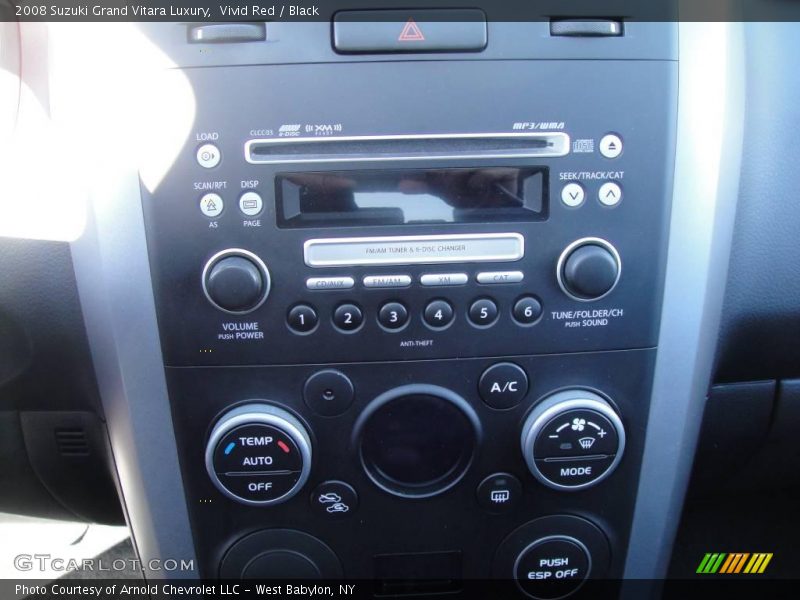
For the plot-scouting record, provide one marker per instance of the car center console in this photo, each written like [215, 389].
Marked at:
[410, 300]
[409, 305]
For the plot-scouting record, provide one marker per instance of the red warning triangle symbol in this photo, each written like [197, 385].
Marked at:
[411, 32]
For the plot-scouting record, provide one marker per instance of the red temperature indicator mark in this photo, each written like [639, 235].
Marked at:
[411, 33]
[282, 445]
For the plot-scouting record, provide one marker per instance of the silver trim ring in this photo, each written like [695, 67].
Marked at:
[551, 407]
[574, 246]
[265, 277]
[266, 414]
[549, 538]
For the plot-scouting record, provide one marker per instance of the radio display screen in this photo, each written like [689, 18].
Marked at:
[411, 196]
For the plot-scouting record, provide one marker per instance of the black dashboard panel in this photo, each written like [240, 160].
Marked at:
[471, 378]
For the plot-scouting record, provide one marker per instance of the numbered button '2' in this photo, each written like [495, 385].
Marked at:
[348, 317]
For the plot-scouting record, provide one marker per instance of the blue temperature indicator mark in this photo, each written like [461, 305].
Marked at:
[229, 448]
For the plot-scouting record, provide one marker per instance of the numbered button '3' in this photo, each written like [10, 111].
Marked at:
[348, 317]
[393, 315]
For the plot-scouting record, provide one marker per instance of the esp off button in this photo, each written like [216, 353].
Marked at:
[503, 385]
[552, 567]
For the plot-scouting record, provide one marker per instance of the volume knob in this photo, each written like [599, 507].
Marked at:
[236, 281]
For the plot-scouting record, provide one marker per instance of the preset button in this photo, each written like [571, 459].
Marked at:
[483, 312]
[438, 314]
[348, 317]
[527, 310]
[302, 318]
[393, 315]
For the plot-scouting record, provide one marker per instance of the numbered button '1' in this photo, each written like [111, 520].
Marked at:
[348, 317]
[393, 315]
[302, 318]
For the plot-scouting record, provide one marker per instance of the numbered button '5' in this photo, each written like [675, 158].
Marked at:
[348, 317]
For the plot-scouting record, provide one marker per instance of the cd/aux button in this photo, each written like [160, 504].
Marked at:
[330, 283]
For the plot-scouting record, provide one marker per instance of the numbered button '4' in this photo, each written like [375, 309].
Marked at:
[438, 314]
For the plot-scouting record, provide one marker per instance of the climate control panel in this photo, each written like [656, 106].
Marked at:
[258, 454]
[572, 440]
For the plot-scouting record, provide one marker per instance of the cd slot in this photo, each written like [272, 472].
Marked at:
[405, 147]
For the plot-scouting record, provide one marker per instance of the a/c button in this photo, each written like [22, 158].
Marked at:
[503, 385]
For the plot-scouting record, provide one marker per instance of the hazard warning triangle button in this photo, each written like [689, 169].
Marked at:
[416, 30]
[411, 32]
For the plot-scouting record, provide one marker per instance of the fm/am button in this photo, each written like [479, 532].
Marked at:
[387, 281]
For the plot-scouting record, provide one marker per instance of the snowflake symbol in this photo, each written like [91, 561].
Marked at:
[577, 424]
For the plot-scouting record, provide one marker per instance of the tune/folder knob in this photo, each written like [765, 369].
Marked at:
[588, 269]
[236, 281]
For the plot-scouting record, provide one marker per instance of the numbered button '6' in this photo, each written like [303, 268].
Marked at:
[527, 310]
[393, 315]
[348, 317]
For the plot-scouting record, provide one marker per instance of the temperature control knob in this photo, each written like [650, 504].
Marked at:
[588, 269]
[259, 454]
[572, 440]
[236, 281]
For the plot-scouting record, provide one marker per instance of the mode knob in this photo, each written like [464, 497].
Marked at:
[259, 454]
[588, 269]
[572, 440]
[236, 281]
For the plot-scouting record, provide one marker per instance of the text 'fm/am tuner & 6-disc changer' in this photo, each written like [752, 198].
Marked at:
[409, 334]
